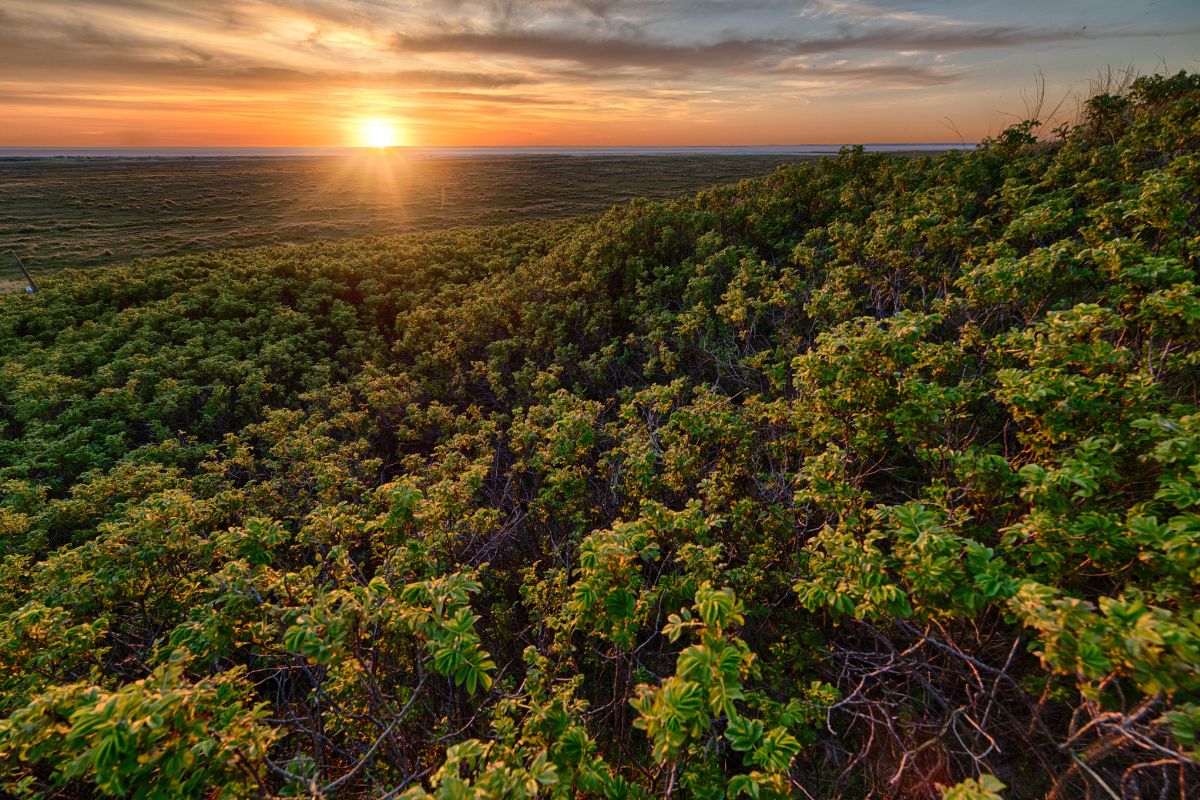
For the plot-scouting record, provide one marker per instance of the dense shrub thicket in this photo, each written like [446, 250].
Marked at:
[868, 478]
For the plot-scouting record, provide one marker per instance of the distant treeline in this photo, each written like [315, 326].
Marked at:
[876, 477]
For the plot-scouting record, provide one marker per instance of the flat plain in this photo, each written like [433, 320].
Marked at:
[80, 212]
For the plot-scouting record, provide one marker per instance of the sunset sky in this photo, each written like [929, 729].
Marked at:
[146, 73]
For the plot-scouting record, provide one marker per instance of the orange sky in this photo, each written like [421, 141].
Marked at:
[149, 73]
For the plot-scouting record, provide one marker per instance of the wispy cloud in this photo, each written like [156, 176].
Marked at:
[607, 52]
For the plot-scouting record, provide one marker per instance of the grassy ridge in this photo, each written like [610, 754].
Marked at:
[869, 477]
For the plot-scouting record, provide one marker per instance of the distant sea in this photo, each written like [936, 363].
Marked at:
[461, 152]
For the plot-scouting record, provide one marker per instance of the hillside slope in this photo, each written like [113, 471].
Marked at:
[867, 478]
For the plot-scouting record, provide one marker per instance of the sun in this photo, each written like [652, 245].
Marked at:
[377, 133]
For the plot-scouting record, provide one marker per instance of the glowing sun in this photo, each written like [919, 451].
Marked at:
[377, 133]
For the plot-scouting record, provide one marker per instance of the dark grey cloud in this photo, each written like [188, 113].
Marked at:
[594, 52]
[609, 52]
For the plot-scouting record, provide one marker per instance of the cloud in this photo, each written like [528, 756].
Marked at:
[519, 64]
[607, 52]
[751, 53]
[876, 75]
[498, 99]
[80, 51]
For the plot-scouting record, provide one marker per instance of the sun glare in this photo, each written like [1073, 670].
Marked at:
[377, 133]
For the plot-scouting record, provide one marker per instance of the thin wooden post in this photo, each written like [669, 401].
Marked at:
[25, 272]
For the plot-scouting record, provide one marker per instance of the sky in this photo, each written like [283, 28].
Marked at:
[312, 73]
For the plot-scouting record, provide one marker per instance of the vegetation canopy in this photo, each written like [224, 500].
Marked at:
[874, 477]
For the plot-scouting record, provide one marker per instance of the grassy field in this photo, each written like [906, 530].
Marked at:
[80, 212]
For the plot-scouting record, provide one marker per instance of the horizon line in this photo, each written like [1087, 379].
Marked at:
[184, 151]
[478, 146]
